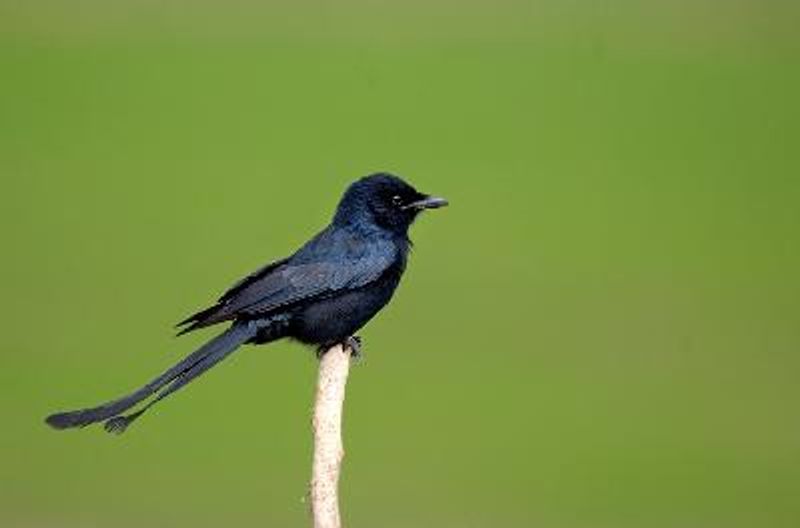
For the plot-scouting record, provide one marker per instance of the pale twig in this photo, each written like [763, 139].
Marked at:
[328, 448]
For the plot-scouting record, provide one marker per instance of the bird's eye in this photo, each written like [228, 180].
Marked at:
[397, 200]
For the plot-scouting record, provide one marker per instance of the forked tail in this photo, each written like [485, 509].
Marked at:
[170, 381]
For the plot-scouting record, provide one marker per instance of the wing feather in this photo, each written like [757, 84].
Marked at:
[331, 262]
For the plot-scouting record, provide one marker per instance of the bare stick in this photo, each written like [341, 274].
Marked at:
[328, 449]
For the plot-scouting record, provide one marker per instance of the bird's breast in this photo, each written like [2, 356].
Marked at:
[333, 319]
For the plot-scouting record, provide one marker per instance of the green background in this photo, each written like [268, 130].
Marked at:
[601, 331]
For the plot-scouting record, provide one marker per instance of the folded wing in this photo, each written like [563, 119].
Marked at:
[331, 263]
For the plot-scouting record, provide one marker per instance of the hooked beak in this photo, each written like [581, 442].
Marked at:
[429, 202]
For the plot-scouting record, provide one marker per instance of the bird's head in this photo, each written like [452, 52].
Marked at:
[384, 200]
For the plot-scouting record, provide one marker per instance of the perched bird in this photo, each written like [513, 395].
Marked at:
[321, 295]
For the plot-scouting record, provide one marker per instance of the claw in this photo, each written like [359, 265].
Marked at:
[354, 344]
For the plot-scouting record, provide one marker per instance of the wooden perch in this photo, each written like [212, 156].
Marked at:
[334, 367]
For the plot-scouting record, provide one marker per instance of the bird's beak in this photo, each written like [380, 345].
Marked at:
[429, 202]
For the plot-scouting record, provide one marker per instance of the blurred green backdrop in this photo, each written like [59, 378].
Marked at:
[601, 331]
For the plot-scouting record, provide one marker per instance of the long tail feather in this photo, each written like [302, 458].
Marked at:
[118, 424]
[197, 362]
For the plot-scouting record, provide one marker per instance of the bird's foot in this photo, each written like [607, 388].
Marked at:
[354, 344]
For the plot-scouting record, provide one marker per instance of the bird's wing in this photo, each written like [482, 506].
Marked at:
[300, 282]
[250, 279]
[204, 317]
[330, 263]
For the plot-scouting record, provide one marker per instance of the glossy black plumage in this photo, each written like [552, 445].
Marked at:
[321, 295]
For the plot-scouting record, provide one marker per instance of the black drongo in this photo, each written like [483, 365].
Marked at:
[321, 295]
